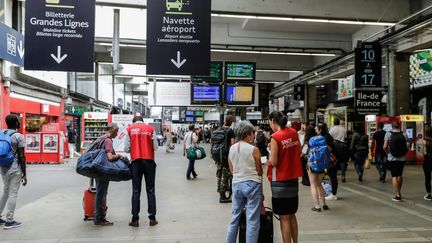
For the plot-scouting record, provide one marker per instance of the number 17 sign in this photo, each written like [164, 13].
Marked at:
[368, 65]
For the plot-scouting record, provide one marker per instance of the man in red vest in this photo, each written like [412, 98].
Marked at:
[141, 144]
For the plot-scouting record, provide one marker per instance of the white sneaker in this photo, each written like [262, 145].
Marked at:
[331, 197]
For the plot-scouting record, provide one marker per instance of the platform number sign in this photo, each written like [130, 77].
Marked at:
[299, 92]
[368, 65]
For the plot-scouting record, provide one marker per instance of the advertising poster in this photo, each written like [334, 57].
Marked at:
[421, 69]
[33, 143]
[345, 88]
[50, 143]
[123, 121]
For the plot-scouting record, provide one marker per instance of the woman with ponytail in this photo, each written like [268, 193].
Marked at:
[283, 171]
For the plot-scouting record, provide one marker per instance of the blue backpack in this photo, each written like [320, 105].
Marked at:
[319, 155]
[7, 156]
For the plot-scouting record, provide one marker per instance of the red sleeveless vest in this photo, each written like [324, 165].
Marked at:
[141, 141]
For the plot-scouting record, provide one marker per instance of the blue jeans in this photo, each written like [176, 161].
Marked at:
[246, 194]
[359, 160]
[191, 169]
[100, 201]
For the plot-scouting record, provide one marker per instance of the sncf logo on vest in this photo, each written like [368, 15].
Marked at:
[288, 143]
[138, 131]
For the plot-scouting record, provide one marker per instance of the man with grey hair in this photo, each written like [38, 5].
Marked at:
[105, 142]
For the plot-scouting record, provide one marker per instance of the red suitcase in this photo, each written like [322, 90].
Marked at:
[89, 201]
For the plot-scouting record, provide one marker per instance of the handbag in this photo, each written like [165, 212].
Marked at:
[195, 152]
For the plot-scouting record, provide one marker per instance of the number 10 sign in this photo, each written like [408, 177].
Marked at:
[368, 65]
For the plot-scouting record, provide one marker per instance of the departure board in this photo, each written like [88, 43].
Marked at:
[215, 73]
[240, 71]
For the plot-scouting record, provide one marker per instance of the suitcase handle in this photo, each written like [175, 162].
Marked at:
[274, 215]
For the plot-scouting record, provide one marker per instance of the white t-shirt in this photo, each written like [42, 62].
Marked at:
[243, 162]
[190, 142]
[338, 133]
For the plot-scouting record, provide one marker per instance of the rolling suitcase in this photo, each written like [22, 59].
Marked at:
[266, 228]
[89, 201]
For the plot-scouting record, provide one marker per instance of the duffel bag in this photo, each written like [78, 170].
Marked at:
[95, 164]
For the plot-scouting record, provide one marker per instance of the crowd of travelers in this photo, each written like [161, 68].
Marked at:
[240, 150]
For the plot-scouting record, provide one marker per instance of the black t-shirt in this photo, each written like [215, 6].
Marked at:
[379, 141]
[71, 136]
[230, 135]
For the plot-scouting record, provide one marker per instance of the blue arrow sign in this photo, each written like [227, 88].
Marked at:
[11, 45]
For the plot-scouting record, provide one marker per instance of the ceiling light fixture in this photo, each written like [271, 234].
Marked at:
[275, 53]
[296, 19]
[277, 71]
[245, 51]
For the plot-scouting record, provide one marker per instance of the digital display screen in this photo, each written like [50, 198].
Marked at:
[199, 113]
[240, 71]
[199, 119]
[190, 119]
[239, 94]
[410, 133]
[206, 93]
[215, 73]
[190, 113]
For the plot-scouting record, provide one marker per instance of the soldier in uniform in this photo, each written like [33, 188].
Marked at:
[223, 173]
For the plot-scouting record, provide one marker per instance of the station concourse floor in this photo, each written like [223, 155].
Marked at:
[50, 208]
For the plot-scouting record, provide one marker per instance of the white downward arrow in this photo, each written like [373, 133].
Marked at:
[59, 58]
[21, 50]
[178, 63]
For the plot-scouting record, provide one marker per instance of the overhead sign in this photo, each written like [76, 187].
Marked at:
[299, 92]
[368, 102]
[178, 37]
[11, 45]
[59, 35]
[368, 65]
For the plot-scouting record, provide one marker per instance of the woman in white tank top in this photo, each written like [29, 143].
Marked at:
[245, 164]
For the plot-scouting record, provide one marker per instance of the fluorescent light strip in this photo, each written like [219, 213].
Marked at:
[245, 51]
[309, 20]
[277, 71]
[275, 53]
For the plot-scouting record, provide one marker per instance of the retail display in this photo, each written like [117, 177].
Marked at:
[95, 125]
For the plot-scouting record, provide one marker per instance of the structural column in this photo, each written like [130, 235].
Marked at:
[399, 83]
[310, 102]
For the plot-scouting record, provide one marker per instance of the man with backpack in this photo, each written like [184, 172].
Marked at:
[395, 145]
[221, 141]
[13, 169]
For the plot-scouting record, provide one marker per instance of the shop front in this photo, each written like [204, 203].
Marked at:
[43, 127]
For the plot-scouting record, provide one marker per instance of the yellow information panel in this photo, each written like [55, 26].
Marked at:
[244, 94]
[412, 118]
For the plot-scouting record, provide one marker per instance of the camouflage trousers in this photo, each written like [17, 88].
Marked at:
[223, 175]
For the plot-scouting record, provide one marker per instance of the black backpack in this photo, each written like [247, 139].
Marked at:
[219, 145]
[398, 144]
